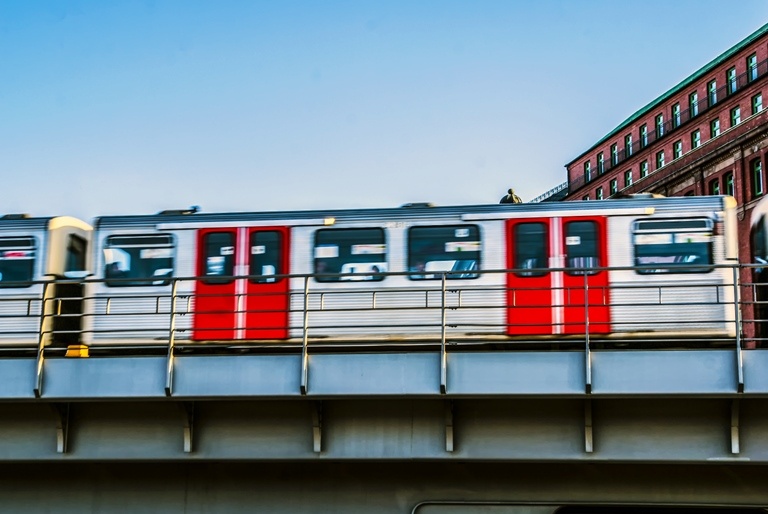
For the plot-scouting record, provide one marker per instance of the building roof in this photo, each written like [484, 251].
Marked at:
[685, 83]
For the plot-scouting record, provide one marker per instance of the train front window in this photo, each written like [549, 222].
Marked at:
[266, 257]
[350, 254]
[531, 251]
[76, 249]
[17, 261]
[433, 250]
[582, 252]
[138, 260]
[672, 246]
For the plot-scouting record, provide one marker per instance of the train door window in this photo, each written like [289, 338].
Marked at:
[672, 246]
[17, 261]
[582, 252]
[266, 257]
[75, 254]
[218, 257]
[138, 260]
[531, 250]
[350, 254]
[453, 248]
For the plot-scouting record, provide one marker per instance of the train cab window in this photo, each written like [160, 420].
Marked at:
[759, 250]
[672, 246]
[218, 257]
[17, 261]
[453, 248]
[266, 257]
[75, 254]
[582, 249]
[350, 254]
[138, 260]
[531, 250]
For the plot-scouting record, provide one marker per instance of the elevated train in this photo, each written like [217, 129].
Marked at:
[629, 268]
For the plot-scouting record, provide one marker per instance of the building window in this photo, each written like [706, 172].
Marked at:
[714, 187]
[676, 115]
[614, 186]
[350, 250]
[757, 103]
[757, 177]
[627, 178]
[628, 146]
[599, 193]
[587, 172]
[659, 126]
[688, 193]
[728, 180]
[752, 67]
[453, 248]
[643, 136]
[600, 163]
[714, 128]
[585, 198]
[693, 104]
[643, 169]
[695, 138]
[614, 155]
[677, 149]
[735, 116]
[712, 92]
[659, 159]
[730, 80]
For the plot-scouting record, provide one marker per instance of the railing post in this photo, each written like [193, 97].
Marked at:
[171, 340]
[737, 323]
[305, 340]
[41, 344]
[587, 351]
[443, 356]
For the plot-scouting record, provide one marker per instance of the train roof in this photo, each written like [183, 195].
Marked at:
[410, 211]
[25, 222]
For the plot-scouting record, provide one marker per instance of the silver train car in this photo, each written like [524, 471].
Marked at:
[641, 267]
[41, 263]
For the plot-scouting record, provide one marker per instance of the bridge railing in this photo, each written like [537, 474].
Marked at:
[553, 305]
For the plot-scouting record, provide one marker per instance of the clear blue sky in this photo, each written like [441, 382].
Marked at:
[114, 107]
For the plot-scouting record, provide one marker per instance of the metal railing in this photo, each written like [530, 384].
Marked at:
[712, 306]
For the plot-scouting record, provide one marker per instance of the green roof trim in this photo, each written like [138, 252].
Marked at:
[697, 75]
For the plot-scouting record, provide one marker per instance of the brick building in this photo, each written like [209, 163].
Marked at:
[706, 135]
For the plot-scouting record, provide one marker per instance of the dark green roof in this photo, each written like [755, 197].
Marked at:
[696, 76]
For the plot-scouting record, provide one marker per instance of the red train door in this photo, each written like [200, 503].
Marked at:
[545, 301]
[586, 295]
[238, 294]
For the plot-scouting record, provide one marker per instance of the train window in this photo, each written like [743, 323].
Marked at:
[453, 248]
[75, 254]
[138, 260]
[218, 257]
[582, 249]
[266, 257]
[17, 261]
[531, 251]
[350, 254]
[759, 251]
[672, 246]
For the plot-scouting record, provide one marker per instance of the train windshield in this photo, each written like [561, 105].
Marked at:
[17, 261]
[138, 260]
[673, 246]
